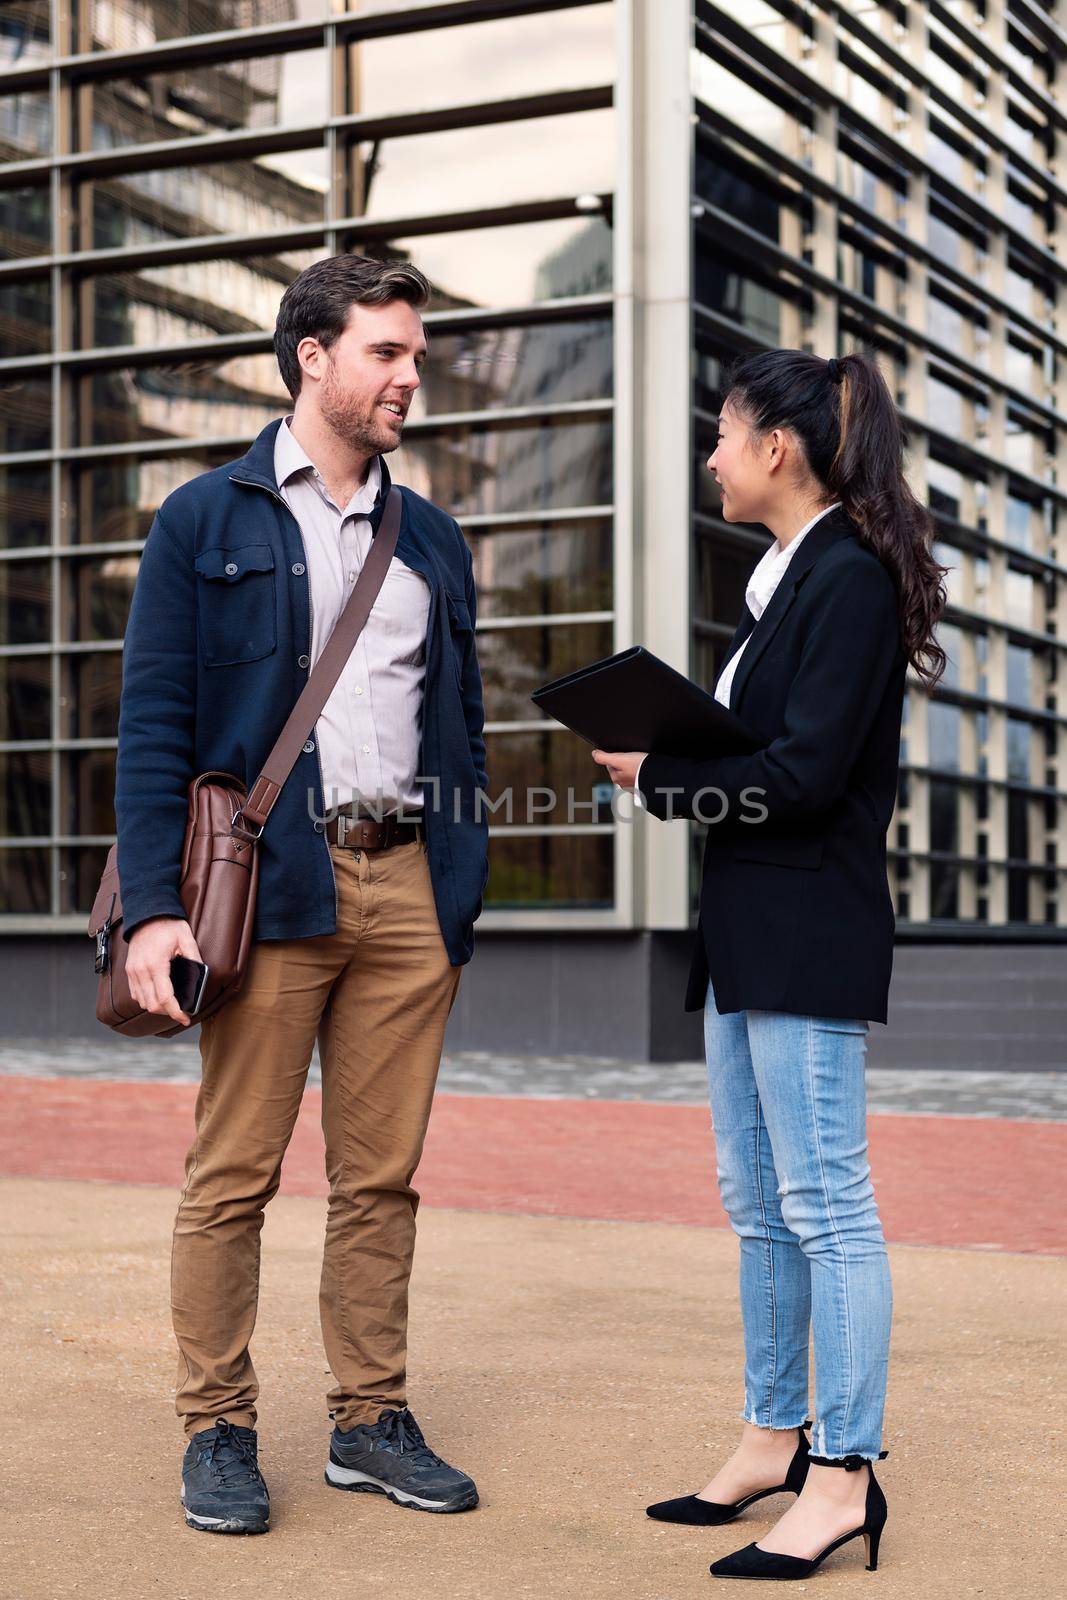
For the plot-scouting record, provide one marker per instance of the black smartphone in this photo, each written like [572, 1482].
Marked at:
[188, 979]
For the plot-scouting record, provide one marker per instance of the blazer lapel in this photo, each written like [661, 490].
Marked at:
[828, 531]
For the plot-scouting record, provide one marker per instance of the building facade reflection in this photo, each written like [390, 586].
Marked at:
[833, 176]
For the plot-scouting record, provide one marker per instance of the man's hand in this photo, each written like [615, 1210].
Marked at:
[622, 765]
[148, 963]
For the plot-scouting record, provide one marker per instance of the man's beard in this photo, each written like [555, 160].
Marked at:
[343, 414]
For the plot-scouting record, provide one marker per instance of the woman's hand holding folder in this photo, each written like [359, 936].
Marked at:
[622, 765]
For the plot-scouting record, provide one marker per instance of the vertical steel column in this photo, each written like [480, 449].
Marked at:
[655, 312]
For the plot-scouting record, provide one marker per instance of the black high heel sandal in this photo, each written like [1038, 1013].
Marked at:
[752, 1562]
[690, 1509]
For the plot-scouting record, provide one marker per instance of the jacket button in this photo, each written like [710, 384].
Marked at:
[230, 568]
[298, 568]
[309, 745]
[303, 661]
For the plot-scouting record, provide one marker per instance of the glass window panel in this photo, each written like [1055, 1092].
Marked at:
[25, 504]
[463, 169]
[188, 299]
[950, 638]
[24, 881]
[118, 499]
[25, 221]
[1025, 448]
[549, 364]
[1018, 826]
[79, 877]
[543, 568]
[944, 407]
[250, 196]
[1017, 522]
[950, 556]
[133, 24]
[709, 364]
[1018, 895]
[25, 32]
[491, 470]
[946, 489]
[25, 794]
[197, 399]
[515, 265]
[25, 125]
[944, 735]
[944, 816]
[944, 890]
[551, 872]
[945, 243]
[944, 322]
[523, 765]
[723, 286]
[1019, 598]
[496, 60]
[1018, 750]
[93, 686]
[99, 594]
[208, 97]
[712, 83]
[25, 602]
[709, 658]
[1022, 367]
[88, 791]
[945, 157]
[25, 317]
[723, 181]
[25, 413]
[515, 661]
[25, 697]
[722, 578]
[707, 496]
[1020, 671]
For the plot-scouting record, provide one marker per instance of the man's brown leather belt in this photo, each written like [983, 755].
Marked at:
[367, 833]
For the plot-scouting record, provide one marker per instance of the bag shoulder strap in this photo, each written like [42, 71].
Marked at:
[336, 651]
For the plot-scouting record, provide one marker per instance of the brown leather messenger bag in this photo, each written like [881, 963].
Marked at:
[220, 862]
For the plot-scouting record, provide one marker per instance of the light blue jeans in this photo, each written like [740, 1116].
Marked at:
[789, 1110]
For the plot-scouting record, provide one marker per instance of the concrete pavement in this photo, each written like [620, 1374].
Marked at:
[578, 1369]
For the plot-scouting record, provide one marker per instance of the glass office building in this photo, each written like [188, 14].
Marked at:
[610, 200]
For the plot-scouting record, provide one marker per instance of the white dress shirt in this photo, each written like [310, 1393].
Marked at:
[767, 574]
[368, 732]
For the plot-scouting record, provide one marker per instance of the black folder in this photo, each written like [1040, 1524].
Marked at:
[635, 701]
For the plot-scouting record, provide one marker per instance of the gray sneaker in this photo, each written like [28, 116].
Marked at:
[222, 1487]
[391, 1457]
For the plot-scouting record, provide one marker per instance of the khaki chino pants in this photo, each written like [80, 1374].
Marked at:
[377, 993]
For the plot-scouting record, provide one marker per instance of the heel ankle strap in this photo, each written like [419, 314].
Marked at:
[852, 1463]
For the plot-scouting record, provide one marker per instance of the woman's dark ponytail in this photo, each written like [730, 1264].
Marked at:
[844, 414]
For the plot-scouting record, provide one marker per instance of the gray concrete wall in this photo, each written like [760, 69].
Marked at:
[992, 1007]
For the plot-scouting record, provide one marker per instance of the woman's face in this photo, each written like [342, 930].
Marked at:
[740, 469]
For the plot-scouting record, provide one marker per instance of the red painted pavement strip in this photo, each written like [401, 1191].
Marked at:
[960, 1181]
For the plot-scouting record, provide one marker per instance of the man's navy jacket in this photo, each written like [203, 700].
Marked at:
[219, 626]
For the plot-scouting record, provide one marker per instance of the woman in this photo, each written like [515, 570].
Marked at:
[796, 927]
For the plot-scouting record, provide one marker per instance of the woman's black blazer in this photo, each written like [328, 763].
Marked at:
[795, 909]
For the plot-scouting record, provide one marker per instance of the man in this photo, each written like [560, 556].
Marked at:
[362, 929]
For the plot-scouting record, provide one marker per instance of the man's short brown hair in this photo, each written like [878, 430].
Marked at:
[317, 303]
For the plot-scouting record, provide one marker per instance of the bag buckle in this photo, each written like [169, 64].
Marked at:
[245, 827]
[102, 962]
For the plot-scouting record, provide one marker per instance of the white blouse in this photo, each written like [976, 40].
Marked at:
[766, 576]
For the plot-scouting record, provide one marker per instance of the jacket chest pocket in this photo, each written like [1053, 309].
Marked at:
[459, 628]
[236, 604]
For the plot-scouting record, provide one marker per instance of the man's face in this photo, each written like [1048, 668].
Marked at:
[364, 384]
